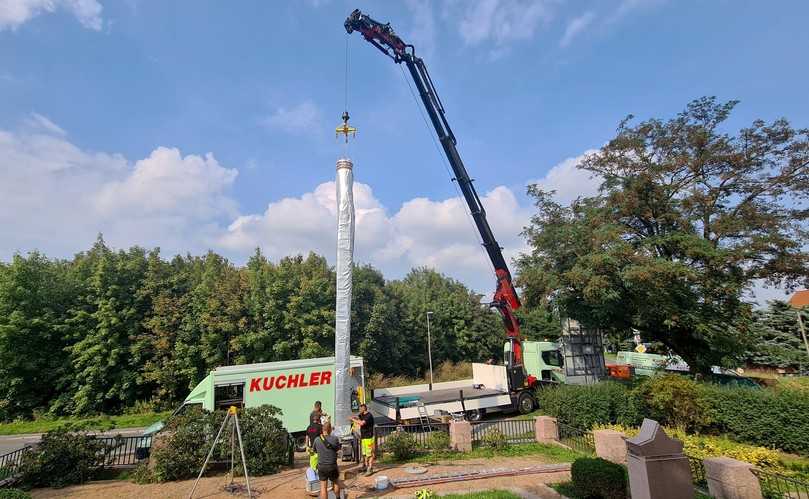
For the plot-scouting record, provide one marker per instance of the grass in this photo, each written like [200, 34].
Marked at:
[486, 494]
[100, 423]
[550, 453]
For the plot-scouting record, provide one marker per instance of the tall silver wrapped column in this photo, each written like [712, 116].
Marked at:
[342, 327]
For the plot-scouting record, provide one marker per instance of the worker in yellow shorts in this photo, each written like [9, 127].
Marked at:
[365, 420]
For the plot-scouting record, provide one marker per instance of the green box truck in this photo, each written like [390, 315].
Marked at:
[293, 386]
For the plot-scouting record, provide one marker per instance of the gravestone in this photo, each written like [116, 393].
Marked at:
[658, 469]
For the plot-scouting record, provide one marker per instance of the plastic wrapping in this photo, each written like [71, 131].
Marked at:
[342, 327]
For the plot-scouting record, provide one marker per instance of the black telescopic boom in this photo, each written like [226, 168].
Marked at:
[386, 40]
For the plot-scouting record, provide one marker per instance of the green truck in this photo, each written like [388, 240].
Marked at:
[293, 386]
[545, 361]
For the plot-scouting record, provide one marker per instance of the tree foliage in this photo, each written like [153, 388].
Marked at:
[688, 216]
[112, 328]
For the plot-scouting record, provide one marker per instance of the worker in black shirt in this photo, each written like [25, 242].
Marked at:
[365, 420]
[326, 446]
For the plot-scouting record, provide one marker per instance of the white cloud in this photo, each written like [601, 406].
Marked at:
[423, 232]
[14, 13]
[575, 27]
[302, 118]
[56, 197]
[502, 21]
[628, 6]
[568, 181]
[422, 31]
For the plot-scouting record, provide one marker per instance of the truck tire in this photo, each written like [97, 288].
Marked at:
[475, 414]
[300, 441]
[525, 403]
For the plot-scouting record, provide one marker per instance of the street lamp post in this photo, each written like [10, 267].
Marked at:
[429, 350]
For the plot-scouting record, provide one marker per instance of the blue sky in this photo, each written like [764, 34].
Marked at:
[199, 124]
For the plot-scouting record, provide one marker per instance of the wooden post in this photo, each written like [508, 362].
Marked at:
[803, 330]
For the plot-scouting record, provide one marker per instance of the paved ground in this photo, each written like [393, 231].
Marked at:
[290, 483]
[10, 443]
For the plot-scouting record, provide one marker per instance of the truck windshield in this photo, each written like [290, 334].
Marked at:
[552, 358]
[228, 395]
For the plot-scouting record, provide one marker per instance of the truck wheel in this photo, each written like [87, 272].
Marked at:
[525, 404]
[300, 442]
[475, 414]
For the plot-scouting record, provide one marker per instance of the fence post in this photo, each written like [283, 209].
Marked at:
[460, 436]
[610, 445]
[731, 479]
[546, 430]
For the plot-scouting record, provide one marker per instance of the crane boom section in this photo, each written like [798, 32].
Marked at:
[386, 40]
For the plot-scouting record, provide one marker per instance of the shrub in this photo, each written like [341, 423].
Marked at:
[180, 450]
[438, 440]
[674, 400]
[771, 418]
[401, 444]
[494, 439]
[14, 494]
[583, 406]
[596, 478]
[63, 457]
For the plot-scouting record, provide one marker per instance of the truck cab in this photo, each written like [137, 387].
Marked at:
[543, 360]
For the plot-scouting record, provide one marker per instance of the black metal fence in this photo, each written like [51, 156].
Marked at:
[10, 463]
[516, 431]
[120, 451]
[578, 439]
[776, 485]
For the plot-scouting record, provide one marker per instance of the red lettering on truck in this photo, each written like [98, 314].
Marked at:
[296, 380]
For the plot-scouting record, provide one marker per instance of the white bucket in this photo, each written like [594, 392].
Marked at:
[381, 482]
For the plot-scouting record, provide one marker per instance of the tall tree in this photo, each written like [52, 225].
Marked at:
[106, 376]
[35, 297]
[777, 339]
[688, 217]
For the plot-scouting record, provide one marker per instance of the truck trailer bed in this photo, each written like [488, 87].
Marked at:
[440, 396]
[491, 394]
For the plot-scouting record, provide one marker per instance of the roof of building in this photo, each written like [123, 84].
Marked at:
[800, 299]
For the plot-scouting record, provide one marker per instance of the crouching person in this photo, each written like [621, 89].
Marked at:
[326, 447]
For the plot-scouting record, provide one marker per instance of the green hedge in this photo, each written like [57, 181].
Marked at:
[771, 418]
[596, 478]
[776, 418]
[581, 406]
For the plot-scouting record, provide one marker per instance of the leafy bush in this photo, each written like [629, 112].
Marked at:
[674, 400]
[180, 449]
[14, 494]
[584, 406]
[596, 478]
[63, 457]
[799, 384]
[495, 439]
[438, 440]
[772, 418]
[401, 444]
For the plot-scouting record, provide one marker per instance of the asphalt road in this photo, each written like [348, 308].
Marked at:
[10, 443]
